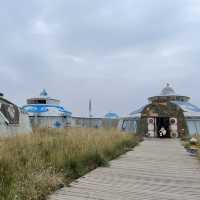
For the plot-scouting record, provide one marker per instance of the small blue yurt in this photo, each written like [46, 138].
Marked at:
[111, 115]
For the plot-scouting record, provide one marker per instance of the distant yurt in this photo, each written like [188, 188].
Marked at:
[86, 122]
[46, 112]
[168, 115]
[111, 115]
[109, 120]
[13, 120]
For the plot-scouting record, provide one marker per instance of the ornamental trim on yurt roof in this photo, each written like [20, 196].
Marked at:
[50, 110]
[168, 91]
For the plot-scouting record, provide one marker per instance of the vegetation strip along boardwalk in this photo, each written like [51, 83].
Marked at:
[157, 169]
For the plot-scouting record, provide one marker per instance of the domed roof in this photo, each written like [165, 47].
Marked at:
[111, 115]
[169, 94]
[168, 91]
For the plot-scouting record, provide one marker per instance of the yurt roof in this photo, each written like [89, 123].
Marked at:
[189, 109]
[167, 92]
[112, 115]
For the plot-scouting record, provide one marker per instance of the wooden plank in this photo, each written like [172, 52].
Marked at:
[157, 169]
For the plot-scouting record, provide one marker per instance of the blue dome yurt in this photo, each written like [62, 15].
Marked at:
[46, 112]
[111, 115]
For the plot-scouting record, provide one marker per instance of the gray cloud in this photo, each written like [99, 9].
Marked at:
[116, 52]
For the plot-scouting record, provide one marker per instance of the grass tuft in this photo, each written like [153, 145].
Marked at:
[32, 166]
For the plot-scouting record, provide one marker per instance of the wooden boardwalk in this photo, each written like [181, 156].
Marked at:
[155, 170]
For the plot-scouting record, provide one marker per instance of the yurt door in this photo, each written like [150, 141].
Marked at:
[163, 127]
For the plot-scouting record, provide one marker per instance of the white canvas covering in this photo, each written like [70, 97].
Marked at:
[23, 127]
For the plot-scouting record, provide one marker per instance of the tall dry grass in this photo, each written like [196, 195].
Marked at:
[32, 166]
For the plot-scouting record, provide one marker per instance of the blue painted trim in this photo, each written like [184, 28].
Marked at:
[41, 108]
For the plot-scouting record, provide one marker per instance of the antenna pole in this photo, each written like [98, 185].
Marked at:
[90, 108]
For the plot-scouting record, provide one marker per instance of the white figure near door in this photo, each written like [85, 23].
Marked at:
[162, 132]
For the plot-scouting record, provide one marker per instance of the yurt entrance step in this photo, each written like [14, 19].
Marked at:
[162, 127]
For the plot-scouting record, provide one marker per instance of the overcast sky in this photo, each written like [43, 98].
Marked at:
[117, 52]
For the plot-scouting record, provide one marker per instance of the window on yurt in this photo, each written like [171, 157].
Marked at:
[133, 126]
[42, 101]
[198, 126]
[124, 125]
[36, 101]
[192, 128]
[129, 126]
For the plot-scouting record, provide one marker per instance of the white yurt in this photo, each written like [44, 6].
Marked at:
[46, 112]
